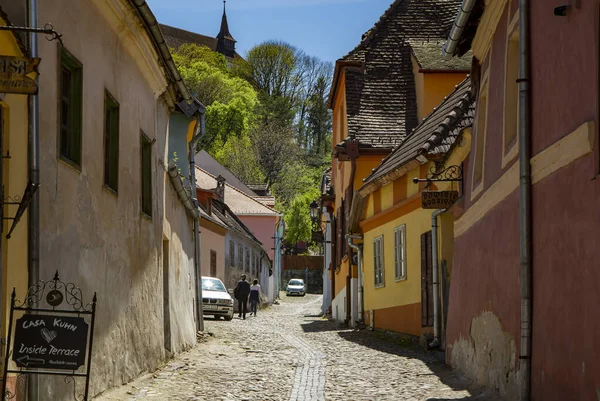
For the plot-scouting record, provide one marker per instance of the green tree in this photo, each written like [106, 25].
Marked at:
[230, 100]
[297, 218]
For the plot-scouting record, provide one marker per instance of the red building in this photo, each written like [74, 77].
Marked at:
[509, 251]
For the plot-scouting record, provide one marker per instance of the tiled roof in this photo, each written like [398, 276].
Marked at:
[435, 135]
[239, 202]
[265, 200]
[429, 56]
[224, 213]
[176, 37]
[209, 164]
[381, 97]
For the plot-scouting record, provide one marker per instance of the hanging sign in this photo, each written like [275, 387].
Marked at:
[13, 75]
[50, 342]
[438, 199]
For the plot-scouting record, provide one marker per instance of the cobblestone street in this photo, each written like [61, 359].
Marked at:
[288, 353]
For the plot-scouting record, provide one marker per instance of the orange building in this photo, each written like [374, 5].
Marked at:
[380, 91]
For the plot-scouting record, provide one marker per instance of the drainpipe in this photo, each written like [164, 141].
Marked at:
[198, 133]
[525, 229]
[34, 176]
[436, 296]
[358, 248]
[458, 27]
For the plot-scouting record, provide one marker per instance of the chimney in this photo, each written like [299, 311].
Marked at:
[220, 190]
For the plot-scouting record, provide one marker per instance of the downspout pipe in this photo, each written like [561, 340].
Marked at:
[525, 207]
[436, 281]
[198, 133]
[458, 27]
[358, 248]
[34, 177]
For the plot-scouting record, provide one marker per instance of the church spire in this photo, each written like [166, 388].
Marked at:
[225, 42]
[224, 32]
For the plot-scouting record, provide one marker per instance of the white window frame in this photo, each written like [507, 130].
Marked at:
[400, 252]
[378, 262]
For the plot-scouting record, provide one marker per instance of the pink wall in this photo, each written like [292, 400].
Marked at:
[212, 238]
[263, 228]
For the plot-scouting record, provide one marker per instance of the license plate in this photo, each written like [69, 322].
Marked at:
[209, 306]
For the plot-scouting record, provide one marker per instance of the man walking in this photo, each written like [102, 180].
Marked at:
[241, 293]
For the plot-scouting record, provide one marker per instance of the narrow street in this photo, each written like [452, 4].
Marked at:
[288, 353]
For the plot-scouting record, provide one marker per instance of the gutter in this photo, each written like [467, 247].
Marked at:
[159, 40]
[449, 48]
[182, 192]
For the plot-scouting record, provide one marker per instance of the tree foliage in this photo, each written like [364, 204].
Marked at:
[230, 101]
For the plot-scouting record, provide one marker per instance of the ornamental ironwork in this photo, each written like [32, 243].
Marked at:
[50, 340]
[440, 174]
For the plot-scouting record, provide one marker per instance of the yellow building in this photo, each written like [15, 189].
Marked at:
[14, 125]
[380, 91]
[407, 249]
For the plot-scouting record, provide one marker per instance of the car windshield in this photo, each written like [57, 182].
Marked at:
[212, 284]
[296, 282]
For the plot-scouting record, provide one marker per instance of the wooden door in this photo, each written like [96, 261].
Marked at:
[213, 263]
[426, 281]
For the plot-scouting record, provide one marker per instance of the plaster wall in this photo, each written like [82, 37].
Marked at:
[212, 239]
[98, 240]
[263, 228]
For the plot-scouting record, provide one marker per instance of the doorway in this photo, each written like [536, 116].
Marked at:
[426, 281]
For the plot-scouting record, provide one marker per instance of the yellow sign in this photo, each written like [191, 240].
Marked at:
[438, 199]
[14, 73]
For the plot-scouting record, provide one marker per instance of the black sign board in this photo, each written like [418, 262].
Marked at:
[438, 199]
[50, 342]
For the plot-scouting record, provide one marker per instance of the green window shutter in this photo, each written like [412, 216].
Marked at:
[70, 108]
[146, 166]
[111, 143]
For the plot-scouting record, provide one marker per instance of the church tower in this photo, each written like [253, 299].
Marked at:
[225, 42]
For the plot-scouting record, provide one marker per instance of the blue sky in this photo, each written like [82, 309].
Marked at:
[327, 29]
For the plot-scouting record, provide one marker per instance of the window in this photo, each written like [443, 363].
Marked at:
[480, 133]
[231, 254]
[70, 103]
[240, 257]
[247, 260]
[111, 142]
[146, 166]
[253, 264]
[213, 263]
[511, 99]
[400, 252]
[378, 261]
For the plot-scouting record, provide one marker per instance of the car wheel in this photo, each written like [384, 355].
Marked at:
[303, 294]
[228, 318]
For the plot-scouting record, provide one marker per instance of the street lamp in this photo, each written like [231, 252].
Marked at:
[314, 211]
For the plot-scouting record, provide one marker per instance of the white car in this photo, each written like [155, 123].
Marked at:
[216, 300]
[296, 286]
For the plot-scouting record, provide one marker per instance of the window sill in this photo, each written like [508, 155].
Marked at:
[399, 279]
[510, 156]
[146, 216]
[70, 163]
[110, 190]
[380, 286]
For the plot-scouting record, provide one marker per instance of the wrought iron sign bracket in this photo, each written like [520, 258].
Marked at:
[449, 174]
[22, 201]
[48, 30]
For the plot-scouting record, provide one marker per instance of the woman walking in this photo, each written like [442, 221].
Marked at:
[254, 297]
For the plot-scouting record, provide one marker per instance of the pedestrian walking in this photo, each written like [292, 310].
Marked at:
[241, 293]
[254, 297]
